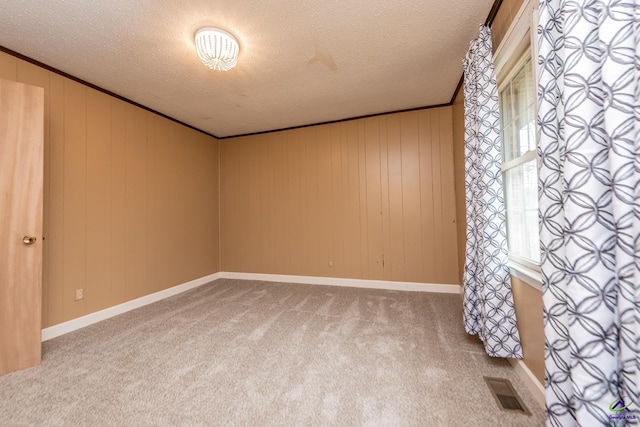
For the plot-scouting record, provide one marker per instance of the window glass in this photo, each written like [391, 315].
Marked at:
[520, 184]
[520, 173]
[518, 113]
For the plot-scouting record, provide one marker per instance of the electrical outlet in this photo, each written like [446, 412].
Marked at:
[79, 294]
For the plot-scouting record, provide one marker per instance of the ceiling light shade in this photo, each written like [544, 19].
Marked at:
[217, 49]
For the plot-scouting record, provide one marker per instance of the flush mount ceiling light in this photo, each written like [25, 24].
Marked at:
[217, 49]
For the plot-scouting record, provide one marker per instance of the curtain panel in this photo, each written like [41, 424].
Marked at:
[589, 188]
[488, 301]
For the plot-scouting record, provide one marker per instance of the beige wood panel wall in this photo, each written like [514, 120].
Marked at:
[130, 198]
[527, 300]
[371, 198]
[507, 12]
[458, 152]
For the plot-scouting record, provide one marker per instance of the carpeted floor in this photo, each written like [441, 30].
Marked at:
[241, 353]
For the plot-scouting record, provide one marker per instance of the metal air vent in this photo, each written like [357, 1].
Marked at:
[506, 396]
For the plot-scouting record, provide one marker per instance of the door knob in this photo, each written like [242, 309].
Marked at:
[28, 240]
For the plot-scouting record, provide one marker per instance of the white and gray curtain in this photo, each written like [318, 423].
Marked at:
[488, 301]
[589, 185]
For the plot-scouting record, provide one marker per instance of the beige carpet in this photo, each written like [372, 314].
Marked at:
[240, 353]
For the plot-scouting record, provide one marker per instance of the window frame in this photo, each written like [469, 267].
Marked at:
[528, 156]
[518, 43]
[514, 68]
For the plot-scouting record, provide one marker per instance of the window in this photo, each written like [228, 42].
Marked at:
[519, 164]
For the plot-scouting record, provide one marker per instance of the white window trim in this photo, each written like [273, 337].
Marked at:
[511, 48]
[530, 276]
[516, 34]
[520, 160]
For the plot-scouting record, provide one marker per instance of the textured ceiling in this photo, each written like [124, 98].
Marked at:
[301, 62]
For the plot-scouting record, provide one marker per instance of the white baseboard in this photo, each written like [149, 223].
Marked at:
[351, 283]
[530, 380]
[90, 319]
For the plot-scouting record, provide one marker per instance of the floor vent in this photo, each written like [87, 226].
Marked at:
[506, 396]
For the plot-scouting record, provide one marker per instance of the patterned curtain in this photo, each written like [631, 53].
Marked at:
[488, 301]
[589, 184]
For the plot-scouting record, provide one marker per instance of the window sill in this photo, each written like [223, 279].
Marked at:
[527, 275]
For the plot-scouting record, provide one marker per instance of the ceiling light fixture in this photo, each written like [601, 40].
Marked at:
[217, 49]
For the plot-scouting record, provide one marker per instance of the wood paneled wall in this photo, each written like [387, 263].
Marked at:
[458, 153]
[505, 16]
[371, 198]
[527, 300]
[528, 303]
[131, 198]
